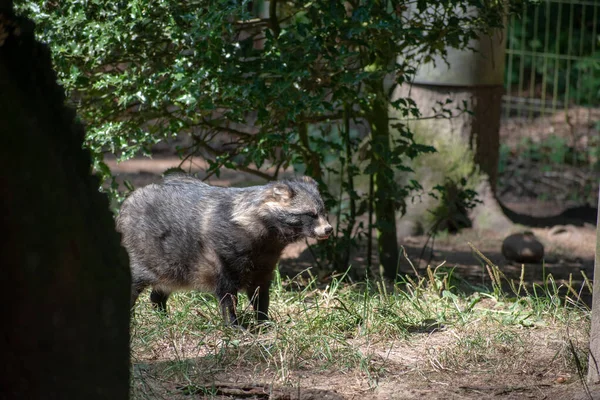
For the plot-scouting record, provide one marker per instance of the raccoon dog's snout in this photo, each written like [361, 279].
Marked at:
[323, 230]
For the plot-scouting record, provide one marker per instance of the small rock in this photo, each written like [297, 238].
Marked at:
[560, 379]
[523, 248]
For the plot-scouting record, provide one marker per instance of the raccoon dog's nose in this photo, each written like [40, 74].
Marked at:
[328, 229]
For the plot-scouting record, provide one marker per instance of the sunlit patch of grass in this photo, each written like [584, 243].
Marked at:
[345, 328]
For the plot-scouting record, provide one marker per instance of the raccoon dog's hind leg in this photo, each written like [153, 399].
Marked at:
[159, 299]
[137, 286]
[139, 282]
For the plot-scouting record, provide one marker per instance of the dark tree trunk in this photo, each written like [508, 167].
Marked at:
[65, 278]
[384, 184]
[593, 377]
[484, 137]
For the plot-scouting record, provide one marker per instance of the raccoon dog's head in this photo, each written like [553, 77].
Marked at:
[297, 207]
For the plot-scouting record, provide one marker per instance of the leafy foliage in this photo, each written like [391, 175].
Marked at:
[452, 213]
[259, 89]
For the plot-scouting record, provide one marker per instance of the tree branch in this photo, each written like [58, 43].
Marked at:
[224, 129]
[242, 168]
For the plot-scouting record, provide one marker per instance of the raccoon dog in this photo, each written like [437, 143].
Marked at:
[183, 234]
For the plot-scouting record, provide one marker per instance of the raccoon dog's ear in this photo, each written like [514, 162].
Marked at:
[308, 179]
[281, 192]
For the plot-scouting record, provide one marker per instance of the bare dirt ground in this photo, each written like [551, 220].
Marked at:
[407, 369]
[399, 383]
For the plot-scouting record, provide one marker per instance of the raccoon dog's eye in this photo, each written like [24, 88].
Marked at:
[312, 215]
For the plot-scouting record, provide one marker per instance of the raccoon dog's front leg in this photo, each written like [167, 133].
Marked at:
[226, 293]
[259, 295]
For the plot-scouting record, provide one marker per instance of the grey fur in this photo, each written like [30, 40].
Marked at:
[183, 234]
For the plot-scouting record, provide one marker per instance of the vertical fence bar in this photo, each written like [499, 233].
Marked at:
[594, 29]
[510, 65]
[569, 54]
[578, 85]
[532, 75]
[545, 57]
[556, 58]
[522, 58]
[593, 73]
[568, 74]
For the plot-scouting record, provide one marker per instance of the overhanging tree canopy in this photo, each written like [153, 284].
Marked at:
[252, 84]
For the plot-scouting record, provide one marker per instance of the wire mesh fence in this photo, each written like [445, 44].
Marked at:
[551, 108]
[553, 58]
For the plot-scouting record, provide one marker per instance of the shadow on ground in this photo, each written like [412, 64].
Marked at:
[149, 379]
[576, 216]
[468, 270]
